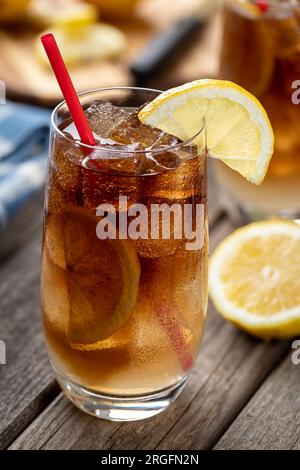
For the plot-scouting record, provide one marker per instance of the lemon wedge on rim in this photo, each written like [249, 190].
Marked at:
[238, 128]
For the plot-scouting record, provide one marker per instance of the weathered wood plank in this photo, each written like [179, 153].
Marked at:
[26, 381]
[242, 367]
[271, 420]
[230, 368]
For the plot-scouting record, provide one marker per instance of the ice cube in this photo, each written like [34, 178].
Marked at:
[103, 169]
[159, 331]
[171, 190]
[148, 340]
[161, 241]
[188, 277]
[55, 198]
[180, 183]
[66, 165]
[64, 183]
[175, 283]
[103, 116]
[98, 188]
[132, 130]
[106, 160]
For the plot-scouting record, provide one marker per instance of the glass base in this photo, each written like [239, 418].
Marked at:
[119, 408]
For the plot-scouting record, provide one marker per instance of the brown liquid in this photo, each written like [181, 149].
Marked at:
[121, 316]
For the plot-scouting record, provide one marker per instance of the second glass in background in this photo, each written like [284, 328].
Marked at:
[261, 52]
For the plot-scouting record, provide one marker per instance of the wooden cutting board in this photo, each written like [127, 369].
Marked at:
[28, 80]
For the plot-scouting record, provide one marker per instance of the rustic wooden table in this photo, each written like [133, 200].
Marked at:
[243, 393]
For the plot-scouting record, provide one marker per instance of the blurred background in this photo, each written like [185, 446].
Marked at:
[156, 43]
[153, 43]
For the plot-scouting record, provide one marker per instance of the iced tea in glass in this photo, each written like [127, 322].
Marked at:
[261, 52]
[124, 259]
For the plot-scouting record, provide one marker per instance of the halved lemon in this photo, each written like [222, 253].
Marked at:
[238, 129]
[255, 278]
[69, 15]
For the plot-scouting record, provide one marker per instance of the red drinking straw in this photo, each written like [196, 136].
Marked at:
[67, 89]
[169, 317]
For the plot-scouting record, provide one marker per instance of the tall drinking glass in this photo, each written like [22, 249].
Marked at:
[124, 259]
[261, 52]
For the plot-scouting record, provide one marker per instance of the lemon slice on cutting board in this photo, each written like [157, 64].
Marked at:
[85, 43]
[238, 129]
[255, 278]
[46, 14]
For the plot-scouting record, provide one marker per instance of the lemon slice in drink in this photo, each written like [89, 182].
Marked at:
[96, 280]
[238, 129]
[103, 279]
[255, 278]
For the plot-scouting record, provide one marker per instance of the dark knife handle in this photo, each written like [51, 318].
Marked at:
[165, 47]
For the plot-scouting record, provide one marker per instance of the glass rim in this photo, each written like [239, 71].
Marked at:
[120, 149]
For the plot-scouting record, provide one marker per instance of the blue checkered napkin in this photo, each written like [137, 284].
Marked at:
[24, 134]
